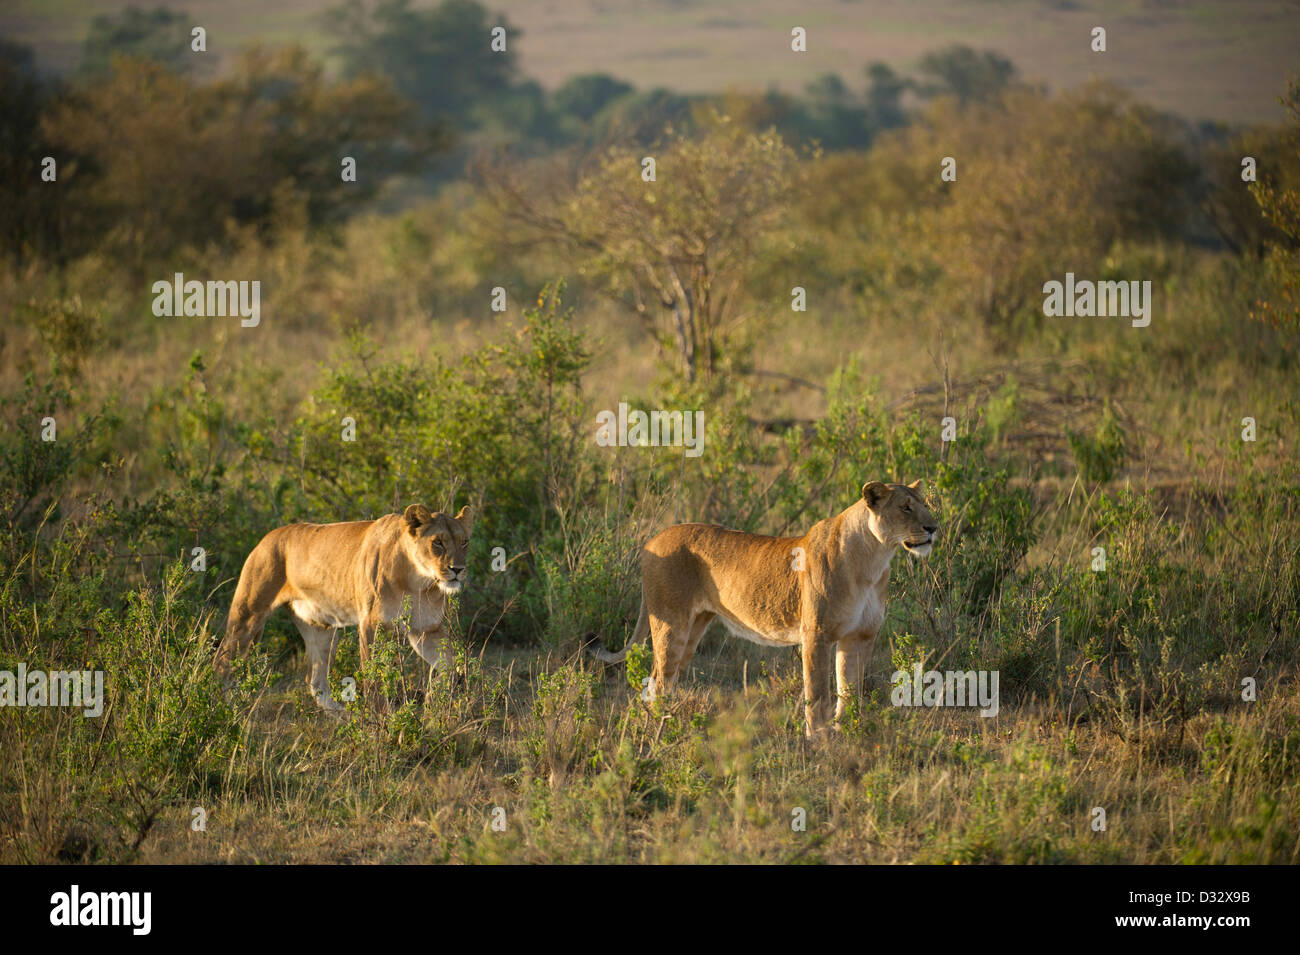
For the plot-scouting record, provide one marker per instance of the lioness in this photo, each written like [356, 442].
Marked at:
[824, 591]
[353, 573]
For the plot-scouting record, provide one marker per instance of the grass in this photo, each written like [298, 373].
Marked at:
[1120, 692]
[584, 775]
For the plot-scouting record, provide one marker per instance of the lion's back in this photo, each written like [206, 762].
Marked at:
[315, 556]
[686, 561]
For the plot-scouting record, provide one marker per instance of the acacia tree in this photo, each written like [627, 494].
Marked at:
[677, 249]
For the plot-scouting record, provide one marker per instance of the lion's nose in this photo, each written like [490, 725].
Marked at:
[931, 528]
[458, 570]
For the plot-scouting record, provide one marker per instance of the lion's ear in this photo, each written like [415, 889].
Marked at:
[415, 515]
[918, 486]
[873, 492]
[466, 518]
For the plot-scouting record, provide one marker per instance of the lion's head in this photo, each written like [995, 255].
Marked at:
[898, 515]
[437, 543]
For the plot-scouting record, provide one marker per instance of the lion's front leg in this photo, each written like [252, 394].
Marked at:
[371, 618]
[320, 642]
[851, 658]
[435, 646]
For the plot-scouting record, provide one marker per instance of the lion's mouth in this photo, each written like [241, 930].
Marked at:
[921, 547]
[450, 586]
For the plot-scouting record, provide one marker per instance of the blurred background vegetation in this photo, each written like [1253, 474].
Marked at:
[924, 301]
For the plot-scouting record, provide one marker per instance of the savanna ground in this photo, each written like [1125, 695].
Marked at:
[1120, 688]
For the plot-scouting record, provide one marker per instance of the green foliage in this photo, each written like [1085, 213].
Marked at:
[1101, 454]
[561, 735]
[640, 664]
[166, 730]
[34, 470]
[171, 725]
[592, 586]
[991, 522]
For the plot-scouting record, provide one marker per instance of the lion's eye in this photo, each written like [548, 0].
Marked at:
[437, 544]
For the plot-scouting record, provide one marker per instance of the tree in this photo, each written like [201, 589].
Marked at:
[830, 113]
[159, 34]
[640, 117]
[156, 161]
[440, 58]
[838, 119]
[586, 95]
[31, 211]
[965, 73]
[884, 97]
[678, 247]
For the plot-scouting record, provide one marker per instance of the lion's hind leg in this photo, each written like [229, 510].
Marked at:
[674, 644]
[259, 592]
[698, 625]
[320, 642]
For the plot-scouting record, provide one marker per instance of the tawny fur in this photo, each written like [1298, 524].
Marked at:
[357, 573]
[833, 607]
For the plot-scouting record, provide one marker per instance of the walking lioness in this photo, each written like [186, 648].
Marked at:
[357, 573]
[824, 592]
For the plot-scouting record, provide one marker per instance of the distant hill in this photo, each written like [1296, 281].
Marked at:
[1222, 60]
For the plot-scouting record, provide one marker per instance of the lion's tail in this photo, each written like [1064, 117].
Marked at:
[591, 643]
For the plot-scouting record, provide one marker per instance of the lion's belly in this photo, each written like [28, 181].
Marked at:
[777, 638]
[321, 611]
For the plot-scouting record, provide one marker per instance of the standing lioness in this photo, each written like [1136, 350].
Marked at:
[357, 573]
[824, 591]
